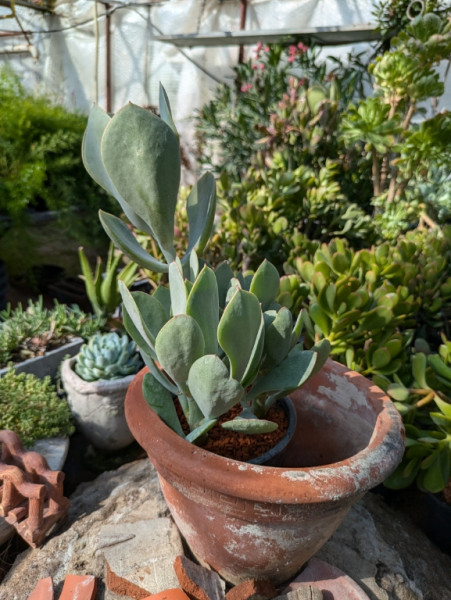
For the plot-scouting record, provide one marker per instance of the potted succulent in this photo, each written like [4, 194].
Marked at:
[218, 342]
[96, 381]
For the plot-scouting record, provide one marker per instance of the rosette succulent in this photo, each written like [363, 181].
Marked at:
[107, 356]
[212, 338]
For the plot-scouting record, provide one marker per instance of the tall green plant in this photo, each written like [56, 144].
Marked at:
[40, 165]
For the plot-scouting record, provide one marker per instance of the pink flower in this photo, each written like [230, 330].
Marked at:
[302, 47]
[254, 66]
[261, 66]
[291, 58]
[292, 50]
[246, 87]
[266, 49]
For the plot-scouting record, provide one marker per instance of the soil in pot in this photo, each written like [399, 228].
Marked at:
[241, 446]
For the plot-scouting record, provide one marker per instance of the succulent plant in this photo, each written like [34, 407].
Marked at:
[213, 339]
[107, 356]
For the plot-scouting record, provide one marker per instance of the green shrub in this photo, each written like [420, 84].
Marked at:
[40, 161]
[31, 408]
[29, 332]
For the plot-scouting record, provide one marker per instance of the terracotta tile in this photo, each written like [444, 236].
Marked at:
[43, 590]
[79, 587]
[252, 589]
[197, 581]
[174, 594]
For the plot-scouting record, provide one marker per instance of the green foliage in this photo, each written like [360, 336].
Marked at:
[107, 356]
[282, 99]
[29, 332]
[31, 408]
[40, 166]
[102, 288]
[213, 339]
[382, 311]
[423, 397]
[402, 151]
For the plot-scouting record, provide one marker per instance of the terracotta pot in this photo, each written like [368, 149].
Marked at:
[251, 521]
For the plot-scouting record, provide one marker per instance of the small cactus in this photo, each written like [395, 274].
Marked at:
[107, 356]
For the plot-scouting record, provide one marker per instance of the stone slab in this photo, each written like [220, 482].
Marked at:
[125, 547]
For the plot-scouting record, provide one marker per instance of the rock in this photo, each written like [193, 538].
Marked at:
[129, 569]
[387, 555]
[174, 594]
[307, 593]
[378, 547]
[198, 582]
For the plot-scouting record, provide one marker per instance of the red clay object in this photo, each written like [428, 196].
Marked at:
[252, 589]
[255, 522]
[31, 494]
[79, 587]
[330, 580]
[123, 587]
[174, 594]
[43, 590]
[197, 581]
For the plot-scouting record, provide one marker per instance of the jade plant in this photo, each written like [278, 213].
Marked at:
[213, 339]
[107, 356]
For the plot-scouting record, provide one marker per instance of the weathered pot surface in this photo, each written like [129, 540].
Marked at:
[98, 408]
[251, 521]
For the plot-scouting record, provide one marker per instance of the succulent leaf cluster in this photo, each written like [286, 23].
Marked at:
[214, 339]
[107, 356]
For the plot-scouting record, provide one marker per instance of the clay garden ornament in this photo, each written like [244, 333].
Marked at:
[215, 340]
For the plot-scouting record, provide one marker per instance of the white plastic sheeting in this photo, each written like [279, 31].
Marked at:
[62, 61]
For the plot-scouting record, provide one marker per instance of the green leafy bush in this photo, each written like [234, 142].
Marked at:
[29, 332]
[40, 162]
[31, 408]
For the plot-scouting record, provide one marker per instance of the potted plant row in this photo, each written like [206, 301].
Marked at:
[219, 354]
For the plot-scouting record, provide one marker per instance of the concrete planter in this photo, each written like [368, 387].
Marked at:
[98, 408]
[48, 364]
[252, 521]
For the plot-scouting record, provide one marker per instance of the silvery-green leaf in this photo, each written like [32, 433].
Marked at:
[265, 283]
[178, 345]
[290, 374]
[203, 305]
[141, 155]
[278, 337]
[124, 239]
[165, 110]
[201, 430]
[133, 321]
[224, 275]
[238, 330]
[160, 400]
[163, 295]
[200, 208]
[92, 160]
[250, 426]
[177, 289]
[211, 386]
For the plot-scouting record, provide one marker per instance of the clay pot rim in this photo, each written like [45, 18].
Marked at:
[353, 476]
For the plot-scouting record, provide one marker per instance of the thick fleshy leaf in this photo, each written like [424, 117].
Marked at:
[165, 110]
[141, 155]
[322, 350]
[200, 208]
[123, 238]
[178, 345]
[278, 335]
[92, 160]
[203, 305]
[224, 275]
[153, 313]
[211, 386]
[134, 322]
[201, 430]
[255, 358]
[163, 295]
[177, 289]
[160, 400]
[238, 329]
[265, 283]
[288, 375]
[250, 426]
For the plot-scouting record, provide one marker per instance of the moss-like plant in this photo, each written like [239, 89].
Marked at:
[31, 408]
